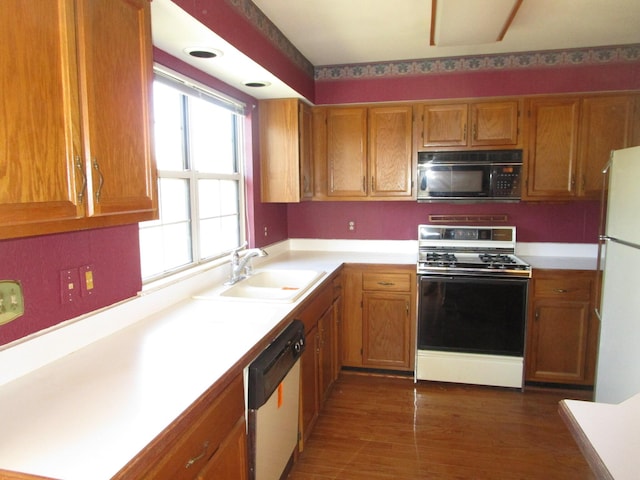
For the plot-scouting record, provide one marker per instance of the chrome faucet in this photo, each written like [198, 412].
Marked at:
[240, 265]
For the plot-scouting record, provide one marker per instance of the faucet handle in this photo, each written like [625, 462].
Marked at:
[238, 248]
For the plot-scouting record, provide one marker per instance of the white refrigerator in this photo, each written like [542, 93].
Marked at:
[618, 365]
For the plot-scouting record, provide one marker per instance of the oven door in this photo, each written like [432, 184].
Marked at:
[453, 181]
[472, 314]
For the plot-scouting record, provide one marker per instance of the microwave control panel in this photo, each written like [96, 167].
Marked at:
[506, 181]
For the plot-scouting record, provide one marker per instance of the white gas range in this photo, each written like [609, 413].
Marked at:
[472, 305]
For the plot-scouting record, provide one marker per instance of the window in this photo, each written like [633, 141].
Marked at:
[200, 183]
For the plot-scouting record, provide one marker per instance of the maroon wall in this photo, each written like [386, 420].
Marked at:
[569, 222]
[36, 263]
[469, 84]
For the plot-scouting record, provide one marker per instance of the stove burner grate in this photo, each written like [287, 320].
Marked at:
[496, 258]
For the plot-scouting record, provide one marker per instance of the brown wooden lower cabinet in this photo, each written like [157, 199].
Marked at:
[230, 459]
[318, 367]
[211, 444]
[562, 328]
[378, 325]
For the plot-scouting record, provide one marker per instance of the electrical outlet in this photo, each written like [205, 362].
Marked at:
[86, 280]
[69, 285]
[11, 301]
[352, 225]
[265, 231]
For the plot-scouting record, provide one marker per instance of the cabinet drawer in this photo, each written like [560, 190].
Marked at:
[387, 282]
[563, 287]
[197, 445]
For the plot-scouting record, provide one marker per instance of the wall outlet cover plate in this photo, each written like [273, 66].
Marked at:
[11, 301]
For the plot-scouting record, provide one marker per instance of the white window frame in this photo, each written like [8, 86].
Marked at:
[193, 88]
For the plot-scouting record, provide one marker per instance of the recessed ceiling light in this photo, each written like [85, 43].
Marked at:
[203, 52]
[257, 84]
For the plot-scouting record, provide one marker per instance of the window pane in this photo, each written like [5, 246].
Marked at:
[211, 137]
[229, 197]
[174, 200]
[209, 198]
[219, 219]
[164, 248]
[168, 127]
[218, 235]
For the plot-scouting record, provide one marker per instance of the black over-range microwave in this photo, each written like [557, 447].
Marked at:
[469, 176]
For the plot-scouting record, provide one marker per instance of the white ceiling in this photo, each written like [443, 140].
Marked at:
[335, 32]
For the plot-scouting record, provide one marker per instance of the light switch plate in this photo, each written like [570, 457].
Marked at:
[11, 301]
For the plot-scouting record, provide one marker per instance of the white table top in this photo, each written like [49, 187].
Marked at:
[608, 435]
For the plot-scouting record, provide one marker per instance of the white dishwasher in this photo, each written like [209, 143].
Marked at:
[273, 398]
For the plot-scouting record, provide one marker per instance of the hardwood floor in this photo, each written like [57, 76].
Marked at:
[380, 428]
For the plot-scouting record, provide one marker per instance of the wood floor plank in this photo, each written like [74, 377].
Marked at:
[382, 428]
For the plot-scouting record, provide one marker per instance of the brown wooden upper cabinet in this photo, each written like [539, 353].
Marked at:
[570, 140]
[369, 152]
[450, 126]
[77, 149]
[285, 150]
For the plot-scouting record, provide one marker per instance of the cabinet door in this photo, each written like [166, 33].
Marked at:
[230, 460]
[309, 368]
[351, 331]
[285, 150]
[559, 342]
[444, 125]
[606, 125]
[306, 153]
[386, 330]
[114, 38]
[553, 142]
[326, 356]
[346, 153]
[390, 151]
[40, 142]
[494, 123]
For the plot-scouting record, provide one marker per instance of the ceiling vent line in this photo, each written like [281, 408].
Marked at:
[491, 20]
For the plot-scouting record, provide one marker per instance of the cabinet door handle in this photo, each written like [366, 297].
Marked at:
[373, 187]
[84, 179]
[560, 290]
[193, 460]
[386, 284]
[464, 134]
[475, 131]
[96, 167]
[407, 306]
[537, 314]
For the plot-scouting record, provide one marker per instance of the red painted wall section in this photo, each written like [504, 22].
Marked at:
[569, 222]
[36, 263]
[591, 78]
[221, 17]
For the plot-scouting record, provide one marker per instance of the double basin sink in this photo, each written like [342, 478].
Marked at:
[280, 286]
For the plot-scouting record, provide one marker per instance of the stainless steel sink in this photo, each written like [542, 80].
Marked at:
[284, 286]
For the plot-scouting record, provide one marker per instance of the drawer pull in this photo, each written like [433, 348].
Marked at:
[386, 284]
[193, 460]
[560, 290]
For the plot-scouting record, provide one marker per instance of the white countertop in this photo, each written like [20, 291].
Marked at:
[608, 435]
[105, 385]
[553, 256]
[87, 414]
